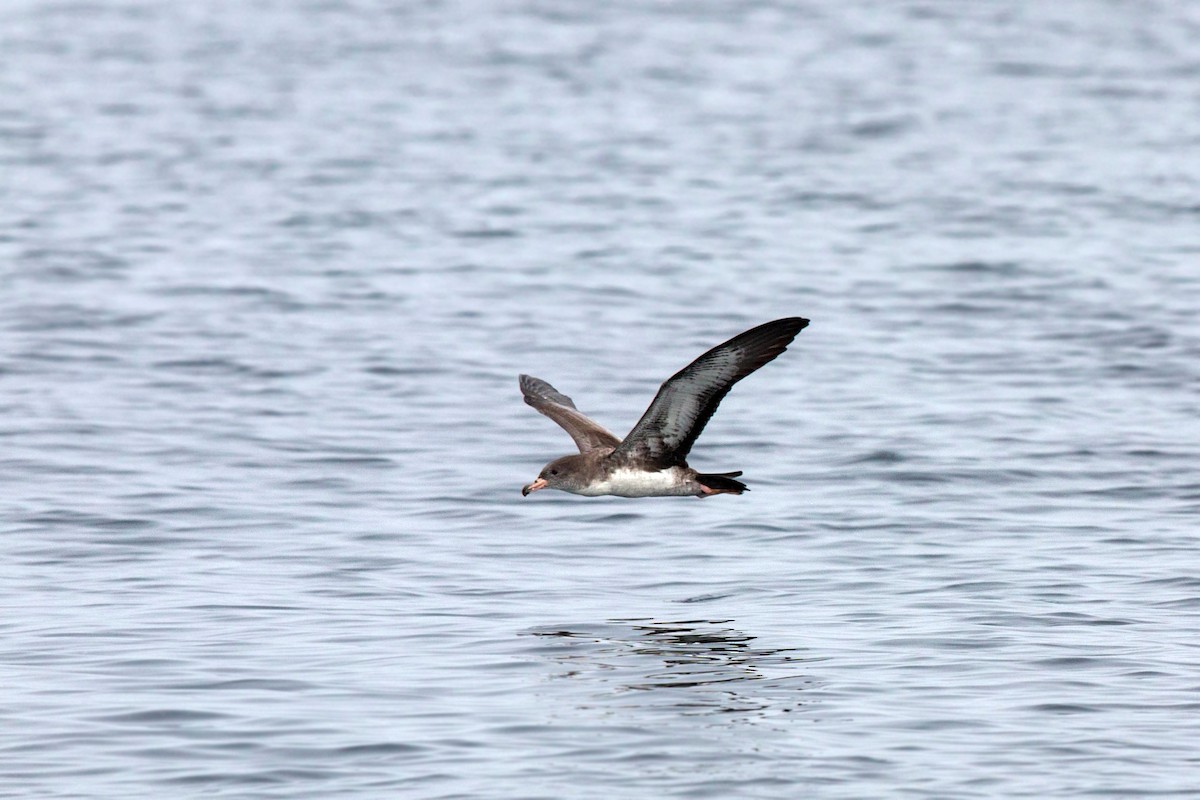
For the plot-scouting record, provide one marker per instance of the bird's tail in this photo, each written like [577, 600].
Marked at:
[722, 483]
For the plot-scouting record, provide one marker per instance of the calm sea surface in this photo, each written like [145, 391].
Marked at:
[268, 272]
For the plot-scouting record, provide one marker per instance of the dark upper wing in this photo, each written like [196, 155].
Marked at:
[666, 432]
[558, 407]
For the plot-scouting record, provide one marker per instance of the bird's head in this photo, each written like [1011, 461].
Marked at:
[558, 474]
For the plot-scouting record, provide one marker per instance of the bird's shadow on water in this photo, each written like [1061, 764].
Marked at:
[692, 667]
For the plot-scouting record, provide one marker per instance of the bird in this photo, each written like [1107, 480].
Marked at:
[651, 461]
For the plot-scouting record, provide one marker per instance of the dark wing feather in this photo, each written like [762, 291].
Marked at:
[558, 407]
[666, 432]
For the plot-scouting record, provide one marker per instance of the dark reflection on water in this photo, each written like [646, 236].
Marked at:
[700, 666]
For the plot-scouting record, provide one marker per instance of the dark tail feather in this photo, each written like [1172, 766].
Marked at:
[724, 482]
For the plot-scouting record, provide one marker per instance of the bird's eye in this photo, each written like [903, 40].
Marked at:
[553, 472]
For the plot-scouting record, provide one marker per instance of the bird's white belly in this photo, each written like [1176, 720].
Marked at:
[639, 483]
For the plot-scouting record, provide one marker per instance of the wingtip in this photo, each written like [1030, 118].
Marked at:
[785, 326]
[776, 334]
[523, 383]
[797, 324]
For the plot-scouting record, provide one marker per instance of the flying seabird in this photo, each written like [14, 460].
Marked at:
[651, 460]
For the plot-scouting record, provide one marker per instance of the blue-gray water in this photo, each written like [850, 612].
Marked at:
[268, 272]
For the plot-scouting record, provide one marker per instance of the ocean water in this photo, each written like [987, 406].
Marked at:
[268, 273]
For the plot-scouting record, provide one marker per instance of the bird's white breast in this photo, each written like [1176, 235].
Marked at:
[640, 483]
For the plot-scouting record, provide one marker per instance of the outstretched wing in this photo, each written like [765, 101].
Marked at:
[558, 407]
[666, 432]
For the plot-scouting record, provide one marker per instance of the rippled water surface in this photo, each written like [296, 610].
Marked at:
[269, 272]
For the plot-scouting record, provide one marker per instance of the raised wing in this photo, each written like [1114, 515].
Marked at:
[686, 401]
[558, 407]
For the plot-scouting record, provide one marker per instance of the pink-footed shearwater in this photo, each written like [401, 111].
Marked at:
[651, 460]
